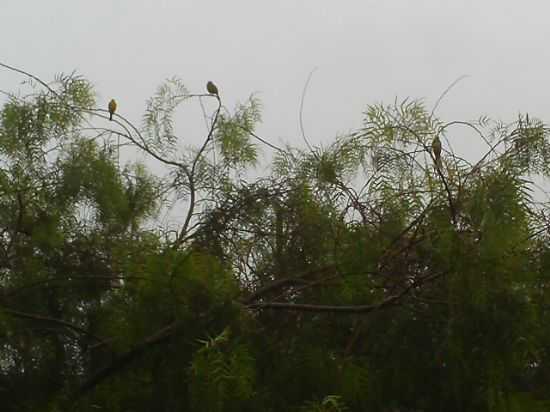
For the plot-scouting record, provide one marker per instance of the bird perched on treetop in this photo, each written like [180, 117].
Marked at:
[211, 88]
[436, 148]
[112, 108]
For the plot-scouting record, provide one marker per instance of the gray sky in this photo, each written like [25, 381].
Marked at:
[365, 52]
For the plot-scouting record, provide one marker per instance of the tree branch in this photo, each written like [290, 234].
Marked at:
[122, 360]
[41, 318]
[344, 309]
[191, 178]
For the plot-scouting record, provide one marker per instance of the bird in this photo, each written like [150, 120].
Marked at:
[436, 148]
[211, 88]
[112, 108]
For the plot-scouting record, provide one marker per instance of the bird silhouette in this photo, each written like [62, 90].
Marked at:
[211, 88]
[436, 149]
[112, 108]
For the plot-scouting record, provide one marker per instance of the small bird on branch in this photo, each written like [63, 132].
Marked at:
[112, 108]
[436, 149]
[211, 88]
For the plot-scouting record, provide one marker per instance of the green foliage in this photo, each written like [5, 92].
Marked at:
[159, 113]
[233, 134]
[357, 276]
[222, 375]
[330, 403]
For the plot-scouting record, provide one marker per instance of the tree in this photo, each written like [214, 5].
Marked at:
[351, 277]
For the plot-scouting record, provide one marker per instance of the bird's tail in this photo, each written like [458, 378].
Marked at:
[111, 116]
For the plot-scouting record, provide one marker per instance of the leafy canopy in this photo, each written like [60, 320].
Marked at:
[357, 276]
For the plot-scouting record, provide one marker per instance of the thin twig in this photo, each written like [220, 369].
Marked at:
[302, 111]
[447, 90]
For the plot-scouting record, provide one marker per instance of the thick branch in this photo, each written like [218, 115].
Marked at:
[41, 318]
[272, 287]
[344, 309]
[281, 283]
[126, 358]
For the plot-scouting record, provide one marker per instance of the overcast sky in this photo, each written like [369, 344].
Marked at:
[364, 51]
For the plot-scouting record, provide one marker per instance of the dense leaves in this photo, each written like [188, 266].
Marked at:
[357, 276]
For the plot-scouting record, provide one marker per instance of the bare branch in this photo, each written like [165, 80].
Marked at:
[41, 318]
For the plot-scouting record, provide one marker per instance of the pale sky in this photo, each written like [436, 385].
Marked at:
[364, 51]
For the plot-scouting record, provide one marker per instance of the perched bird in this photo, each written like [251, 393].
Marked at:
[436, 148]
[211, 88]
[112, 108]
